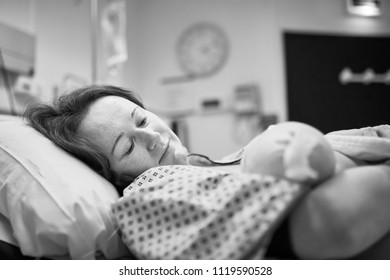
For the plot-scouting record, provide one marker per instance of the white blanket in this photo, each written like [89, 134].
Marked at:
[371, 144]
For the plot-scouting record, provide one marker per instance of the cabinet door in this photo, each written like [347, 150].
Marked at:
[315, 94]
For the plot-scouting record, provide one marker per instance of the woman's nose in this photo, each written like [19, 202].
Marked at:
[150, 138]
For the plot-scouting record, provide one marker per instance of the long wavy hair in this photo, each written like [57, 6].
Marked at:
[60, 121]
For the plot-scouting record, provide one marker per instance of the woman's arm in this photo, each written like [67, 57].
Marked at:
[344, 215]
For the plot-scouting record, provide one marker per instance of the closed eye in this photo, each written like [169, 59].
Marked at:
[143, 122]
[131, 148]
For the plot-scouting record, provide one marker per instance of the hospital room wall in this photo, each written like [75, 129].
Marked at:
[254, 28]
[62, 33]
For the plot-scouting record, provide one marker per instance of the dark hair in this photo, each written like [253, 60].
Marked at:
[59, 122]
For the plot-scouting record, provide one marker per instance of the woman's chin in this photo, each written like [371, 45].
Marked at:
[180, 156]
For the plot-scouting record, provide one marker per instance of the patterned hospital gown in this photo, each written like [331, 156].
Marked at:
[189, 212]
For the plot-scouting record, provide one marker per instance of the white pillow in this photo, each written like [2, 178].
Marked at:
[56, 205]
[6, 231]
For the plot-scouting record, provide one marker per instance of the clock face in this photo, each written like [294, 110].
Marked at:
[202, 49]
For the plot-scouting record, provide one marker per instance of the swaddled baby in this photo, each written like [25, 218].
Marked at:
[290, 150]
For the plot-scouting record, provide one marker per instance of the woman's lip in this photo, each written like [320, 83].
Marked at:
[165, 151]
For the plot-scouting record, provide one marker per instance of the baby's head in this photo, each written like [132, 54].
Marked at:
[290, 150]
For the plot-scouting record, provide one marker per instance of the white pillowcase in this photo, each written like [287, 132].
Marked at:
[56, 205]
[6, 231]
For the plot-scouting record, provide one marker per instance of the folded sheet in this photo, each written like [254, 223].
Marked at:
[6, 231]
[368, 144]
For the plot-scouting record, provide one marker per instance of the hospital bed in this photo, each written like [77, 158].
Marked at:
[53, 206]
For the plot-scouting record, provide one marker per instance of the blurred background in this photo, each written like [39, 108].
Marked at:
[218, 71]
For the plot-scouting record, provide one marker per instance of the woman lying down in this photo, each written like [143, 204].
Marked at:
[185, 206]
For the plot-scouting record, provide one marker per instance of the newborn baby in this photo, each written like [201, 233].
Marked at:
[290, 150]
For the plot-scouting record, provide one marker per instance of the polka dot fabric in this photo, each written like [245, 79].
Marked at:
[188, 212]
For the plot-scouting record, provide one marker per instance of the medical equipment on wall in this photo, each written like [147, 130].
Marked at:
[367, 77]
[247, 109]
[27, 90]
[108, 40]
[17, 58]
[114, 41]
[7, 84]
[21, 89]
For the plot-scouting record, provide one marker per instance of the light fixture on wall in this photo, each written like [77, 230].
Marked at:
[367, 8]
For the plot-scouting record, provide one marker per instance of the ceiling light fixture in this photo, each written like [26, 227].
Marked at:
[367, 8]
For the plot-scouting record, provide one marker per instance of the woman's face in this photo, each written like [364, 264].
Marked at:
[132, 138]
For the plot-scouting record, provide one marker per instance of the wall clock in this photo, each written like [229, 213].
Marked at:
[202, 50]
